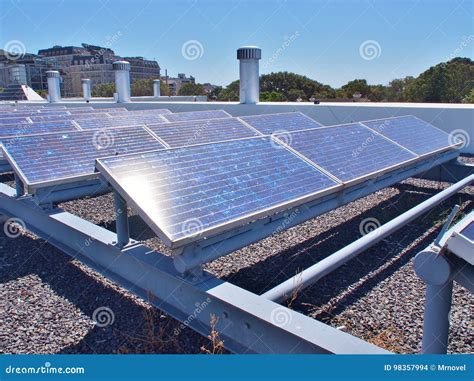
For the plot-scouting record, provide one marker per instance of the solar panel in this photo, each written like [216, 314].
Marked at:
[349, 151]
[49, 159]
[196, 115]
[119, 120]
[36, 128]
[412, 133]
[151, 111]
[12, 120]
[47, 118]
[274, 123]
[468, 231]
[179, 134]
[211, 188]
[80, 110]
[110, 109]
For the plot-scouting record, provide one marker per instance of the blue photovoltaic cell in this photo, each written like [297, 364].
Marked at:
[347, 151]
[468, 231]
[13, 120]
[151, 111]
[196, 115]
[119, 120]
[58, 156]
[273, 123]
[180, 134]
[36, 128]
[47, 118]
[202, 187]
[412, 133]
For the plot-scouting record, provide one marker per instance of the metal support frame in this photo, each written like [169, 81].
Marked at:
[121, 219]
[206, 250]
[247, 323]
[450, 172]
[438, 271]
[314, 273]
[20, 189]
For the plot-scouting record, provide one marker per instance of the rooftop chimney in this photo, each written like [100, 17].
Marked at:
[249, 73]
[86, 89]
[122, 81]
[156, 88]
[54, 91]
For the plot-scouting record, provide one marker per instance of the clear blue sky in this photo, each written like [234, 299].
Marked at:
[321, 39]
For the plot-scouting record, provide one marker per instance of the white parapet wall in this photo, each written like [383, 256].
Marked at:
[452, 118]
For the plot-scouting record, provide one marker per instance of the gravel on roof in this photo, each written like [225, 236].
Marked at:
[51, 302]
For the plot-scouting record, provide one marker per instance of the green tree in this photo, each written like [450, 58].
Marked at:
[356, 86]
[230, 93]
[103, 90]
[272, 96]
[191, 89]
[469, 98]
[295, 94]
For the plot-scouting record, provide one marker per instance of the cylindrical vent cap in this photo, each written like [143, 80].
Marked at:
[121, 65]
[52, 74]
[249, 53]
[85, 80]
[156, 80]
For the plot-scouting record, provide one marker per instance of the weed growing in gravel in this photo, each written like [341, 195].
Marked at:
[217, 345]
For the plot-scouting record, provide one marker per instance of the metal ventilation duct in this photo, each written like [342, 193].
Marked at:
[54, 91]
[86, 89]
[249, 73]
[122, 81]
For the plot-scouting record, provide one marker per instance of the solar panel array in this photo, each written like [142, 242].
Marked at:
[200, 188]
[349, 151]
[179, 134]
[220, 171]
[36, 128]
[53, 157]
[273, 123]
[412, 133]
[196, 115]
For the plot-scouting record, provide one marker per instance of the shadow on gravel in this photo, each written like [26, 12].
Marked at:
[136, 328]
[267, 274]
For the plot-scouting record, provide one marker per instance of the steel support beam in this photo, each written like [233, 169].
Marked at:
[121, 221]
[208, 249]
[450, 172]
[334, 261]
[20, 189]
[246, 322]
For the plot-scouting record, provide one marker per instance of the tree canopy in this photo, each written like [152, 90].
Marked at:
[451, 81]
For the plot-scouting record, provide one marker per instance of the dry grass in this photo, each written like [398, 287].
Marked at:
[387, 339]
[216, 344]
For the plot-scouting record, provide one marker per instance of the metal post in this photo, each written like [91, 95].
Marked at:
[436, 318]
[20, 189]
[121, 221]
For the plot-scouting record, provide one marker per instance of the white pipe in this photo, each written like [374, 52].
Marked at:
[249, 74]
[86, 89]
[54, 90]
[122, 81]
[156, 88]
